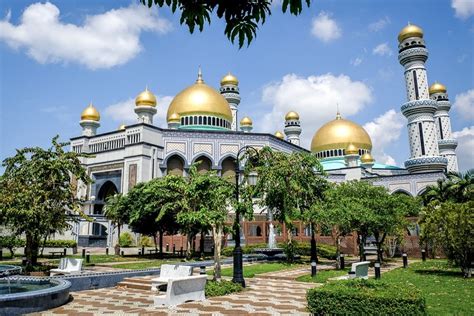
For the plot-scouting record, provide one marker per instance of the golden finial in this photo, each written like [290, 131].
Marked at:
[338, 114]
[199, 79]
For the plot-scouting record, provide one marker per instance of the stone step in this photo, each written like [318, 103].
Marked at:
[134, 285]
[139, 280]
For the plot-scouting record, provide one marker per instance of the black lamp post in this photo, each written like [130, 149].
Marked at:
[238, 274]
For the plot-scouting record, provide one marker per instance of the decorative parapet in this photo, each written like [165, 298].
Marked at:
[422, 164]
[419, 106]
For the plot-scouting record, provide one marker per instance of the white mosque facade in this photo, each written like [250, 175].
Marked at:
[203, 125]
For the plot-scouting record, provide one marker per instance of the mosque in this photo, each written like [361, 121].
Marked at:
[203, 125]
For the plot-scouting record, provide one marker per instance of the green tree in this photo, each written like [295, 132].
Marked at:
[450, 226]
[241, 17]
[116, 211]
[289, 185]
[153, 206]
[38, 190]
[461, 186]
[209, 199]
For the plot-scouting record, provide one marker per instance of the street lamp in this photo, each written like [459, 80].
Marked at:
[238, 275]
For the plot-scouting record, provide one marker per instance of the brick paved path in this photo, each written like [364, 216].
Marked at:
[273, 293]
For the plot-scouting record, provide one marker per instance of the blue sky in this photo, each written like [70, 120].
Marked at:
[56, 57]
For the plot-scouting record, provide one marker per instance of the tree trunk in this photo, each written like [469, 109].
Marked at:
[154, 241]
[189, 239]
[338, 251]
[117, 245]
[217, 236]
[31, 250]
[201, 244]
[161, 242]
[361, 246]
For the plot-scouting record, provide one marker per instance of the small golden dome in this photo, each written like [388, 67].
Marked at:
[174, 118]
[279, 135]
[437, 88]
[122, 127]
[367, 158]
[246, 121]
[352, 150]
[338, 134]
[229, 79]
[199, 98]
[292, 115]
[145, 98]
[90, 113]
[410, 31]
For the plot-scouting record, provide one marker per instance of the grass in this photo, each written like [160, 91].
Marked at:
[445, 290]
[251, 270]
[94, 259]
[143, 265]
[322, 276]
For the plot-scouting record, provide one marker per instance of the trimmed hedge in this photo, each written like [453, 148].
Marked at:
[214, 288]
[14, 242]
[365, 297]
[60, 243]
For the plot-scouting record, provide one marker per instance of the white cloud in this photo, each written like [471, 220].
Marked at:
[382, 50]
[315, 98]
[463, 8]
[379, 25]
[356, 62]
[465, 149]
[123, 111]
[384, 131]
[103, 41]
[325, 28]
[464, 104]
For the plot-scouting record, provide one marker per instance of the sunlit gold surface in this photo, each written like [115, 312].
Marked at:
[198, 99]
[352, 150]
[292, 115]
[437, 88]
[246, 121]
[145, 98]
[90, 113]
[338, 134]
[121, 127]
[367, 158]
[279, 135]
[174, 118]
[229, 79]
[410, 31]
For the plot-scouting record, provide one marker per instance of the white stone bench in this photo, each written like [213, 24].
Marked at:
[358, 270]
[181, 290]
[170, 271]
[67, 266]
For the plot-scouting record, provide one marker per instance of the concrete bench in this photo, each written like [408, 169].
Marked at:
[170, 271]
[358, 270]
[67, 266]
[181, 290]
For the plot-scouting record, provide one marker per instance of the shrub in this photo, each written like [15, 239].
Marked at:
[60, 243]
[365, 297]
[322, 250]
[11, 242]
[215, 288]
[290, 250]
[228, 251]
[126, 240]
[145, 241]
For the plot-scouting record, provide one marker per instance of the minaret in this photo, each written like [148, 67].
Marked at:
[351, 155]
[292, 127]
[230, 90]
[446, 143]
[419, 110]
[90, 118]
[145, 106]
[246, 124]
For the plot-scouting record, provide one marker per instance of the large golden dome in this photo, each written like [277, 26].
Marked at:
[339, 134]
[437, 88]
[199, 98]
[90, 113]
[410, 31]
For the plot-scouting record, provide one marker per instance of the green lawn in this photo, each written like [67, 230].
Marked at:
[143, 265]
[322, 276]
[445, 290]
[110, 258]
[251, 270]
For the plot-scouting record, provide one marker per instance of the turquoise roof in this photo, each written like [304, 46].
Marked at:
[335, 163]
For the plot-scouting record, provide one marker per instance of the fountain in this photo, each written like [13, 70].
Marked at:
[21, 295]
[272, 248]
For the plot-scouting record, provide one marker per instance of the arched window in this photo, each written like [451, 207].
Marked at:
[228, 169]
[200, 120]
[106, 190]
[204, 164]
[213, 121]
[175, 166]
[182, 121]
[205, 120]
